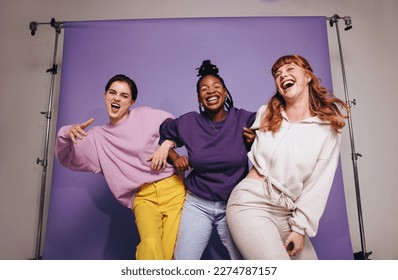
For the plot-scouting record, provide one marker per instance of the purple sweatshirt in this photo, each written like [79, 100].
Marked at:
[217, 151]
[119, 152]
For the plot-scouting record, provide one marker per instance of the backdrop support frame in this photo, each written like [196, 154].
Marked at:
[48, 116]
[44, 161]
[362, 255]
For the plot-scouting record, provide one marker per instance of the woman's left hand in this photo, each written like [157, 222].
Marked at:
[159, 158]
[298, 241]
[249, 135]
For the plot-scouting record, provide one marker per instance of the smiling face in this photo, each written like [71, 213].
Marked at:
[212, 94]
[292, 82]
[118, 100]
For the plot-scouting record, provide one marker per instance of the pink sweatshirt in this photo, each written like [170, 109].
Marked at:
[119, 152]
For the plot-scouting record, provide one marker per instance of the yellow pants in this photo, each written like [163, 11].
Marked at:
[157, 208]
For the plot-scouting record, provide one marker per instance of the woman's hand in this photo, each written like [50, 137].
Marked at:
[249, 135]
[77, 130]
[181, 164]
[298, 243]
[159, 157]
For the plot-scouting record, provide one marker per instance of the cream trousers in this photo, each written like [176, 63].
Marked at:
[259, 228]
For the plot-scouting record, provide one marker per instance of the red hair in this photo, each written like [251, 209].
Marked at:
[322, 102]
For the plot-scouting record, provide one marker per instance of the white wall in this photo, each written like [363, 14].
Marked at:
[370, 67]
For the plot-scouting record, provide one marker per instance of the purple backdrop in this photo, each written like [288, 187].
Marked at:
[84, 220]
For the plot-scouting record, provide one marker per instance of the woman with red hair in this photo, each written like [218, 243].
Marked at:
[272, 212]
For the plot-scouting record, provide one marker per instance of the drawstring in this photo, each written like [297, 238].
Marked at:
[278, 198]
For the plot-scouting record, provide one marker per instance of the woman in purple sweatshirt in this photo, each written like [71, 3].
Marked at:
[123, 151]
[217, 155]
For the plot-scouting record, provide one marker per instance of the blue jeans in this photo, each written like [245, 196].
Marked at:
[198, 218]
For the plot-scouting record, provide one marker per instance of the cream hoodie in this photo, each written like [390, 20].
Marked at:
[299, 161]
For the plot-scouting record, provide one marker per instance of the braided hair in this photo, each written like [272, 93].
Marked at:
[206, 69]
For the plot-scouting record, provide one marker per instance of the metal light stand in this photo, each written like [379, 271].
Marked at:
[363, 255]
[44, 161]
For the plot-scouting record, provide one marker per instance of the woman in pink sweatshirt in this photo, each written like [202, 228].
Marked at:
[123, 151]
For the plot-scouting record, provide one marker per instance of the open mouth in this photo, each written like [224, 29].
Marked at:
[287, 84]
[212, 99]
[115, 106]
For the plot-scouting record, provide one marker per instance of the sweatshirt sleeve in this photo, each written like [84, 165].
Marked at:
[82, 156]
[169, 131]
[312, 201]
[251, 117]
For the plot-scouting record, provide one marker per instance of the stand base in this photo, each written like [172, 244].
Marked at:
[361, 255]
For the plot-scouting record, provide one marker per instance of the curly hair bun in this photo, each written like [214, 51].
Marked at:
[207, 69]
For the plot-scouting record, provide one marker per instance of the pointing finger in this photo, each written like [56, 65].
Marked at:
[87, 123]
